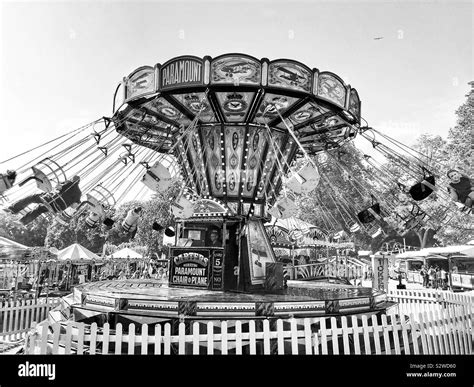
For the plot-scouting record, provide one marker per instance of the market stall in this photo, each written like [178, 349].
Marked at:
[76, 265]
[124, 262]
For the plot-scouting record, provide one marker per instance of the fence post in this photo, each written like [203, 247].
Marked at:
[294, 336]
[224, 338]
[93, 343]
[355, 334]
[307, 336]
[210, 338]
[324, 342]
[266, 337]
[280, 338]
[144, 341]
[167, 339]
[335, 336]
[238, 337]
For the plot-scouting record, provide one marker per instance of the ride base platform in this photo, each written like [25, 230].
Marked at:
[152, 301]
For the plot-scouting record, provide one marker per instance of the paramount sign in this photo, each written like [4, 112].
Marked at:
[181, 72]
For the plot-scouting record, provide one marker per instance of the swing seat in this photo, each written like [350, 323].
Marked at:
[157, 227]
[182, 208]
[95, 206]
[157, 178]
[169, 232]
[42, 181]
[45, 181]
[109, 223]
[354, 228]
[374, 231]
[305, 180]
[129, 224]
[369, 214]
[65, 216]
[423, 189]
[100, 197]
[283, 208]
[93, 219]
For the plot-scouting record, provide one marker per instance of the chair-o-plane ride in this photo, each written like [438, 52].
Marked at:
[246, 137]
[235, 125]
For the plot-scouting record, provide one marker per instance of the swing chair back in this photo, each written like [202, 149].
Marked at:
[305, 180]
[423, 189]
[47, 174]
[182, 208]
[157, 178]
[283, 208]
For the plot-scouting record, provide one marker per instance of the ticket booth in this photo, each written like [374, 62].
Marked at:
[223, 253]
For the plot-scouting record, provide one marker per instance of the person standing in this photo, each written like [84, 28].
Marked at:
[432, 277]
[444, 282]
[424, 276]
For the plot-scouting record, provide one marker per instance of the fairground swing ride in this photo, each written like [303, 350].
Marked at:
[247, 137]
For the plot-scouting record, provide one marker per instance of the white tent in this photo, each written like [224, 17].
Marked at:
[413, 254]
[126, 253]
[5, 242]
[76, 252]
[13, 250]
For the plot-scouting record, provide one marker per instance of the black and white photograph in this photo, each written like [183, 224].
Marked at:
[210, 183]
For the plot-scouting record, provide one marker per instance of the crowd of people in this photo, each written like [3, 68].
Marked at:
[434, 277]
[156, 272]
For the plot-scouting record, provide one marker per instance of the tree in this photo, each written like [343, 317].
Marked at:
[459, 150]
[33, 234]
[76, 231]
[157, 209]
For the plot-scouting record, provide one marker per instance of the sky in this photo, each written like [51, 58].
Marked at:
[60, 61]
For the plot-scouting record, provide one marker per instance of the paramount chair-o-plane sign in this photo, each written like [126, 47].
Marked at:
[181, 72]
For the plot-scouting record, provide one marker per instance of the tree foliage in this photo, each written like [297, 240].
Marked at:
[33, 234]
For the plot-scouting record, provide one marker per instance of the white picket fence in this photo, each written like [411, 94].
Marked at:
[431, 300]
[17, 317]
[444, 328]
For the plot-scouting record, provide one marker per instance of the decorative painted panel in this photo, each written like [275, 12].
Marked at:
[234, 105]
[194, 148]
[331, 88]
[165, 109]
[256, 145]
[194, 102]
[271, 103]
[213, 153]
[290, 75]
[354, 103]
[236, 70]
[140, 83]
[234, 144]
[270, 162]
